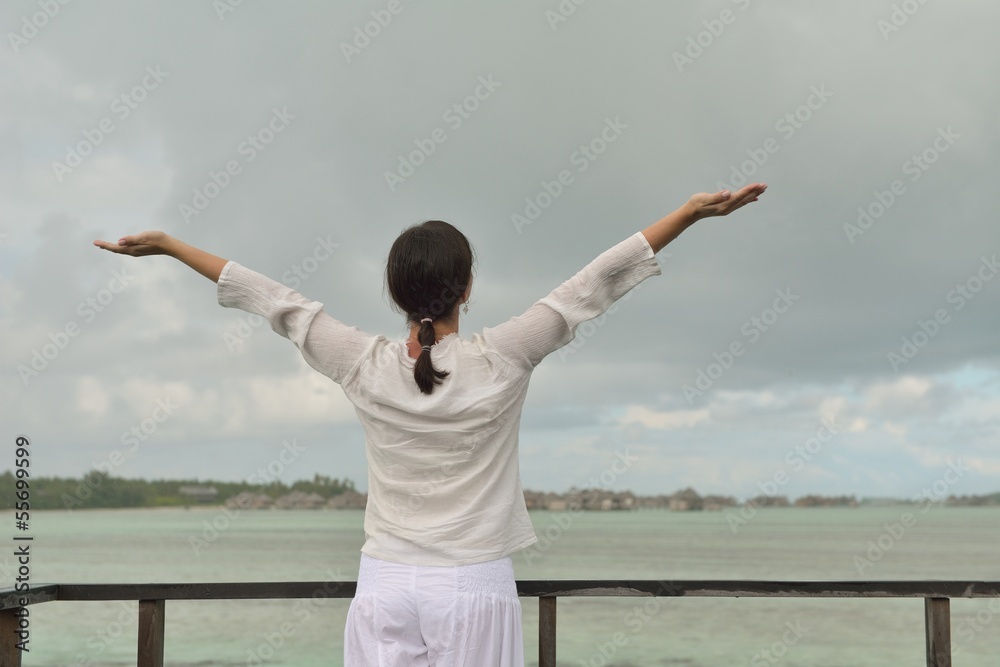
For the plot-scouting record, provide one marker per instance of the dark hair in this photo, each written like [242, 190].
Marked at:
[427, 272]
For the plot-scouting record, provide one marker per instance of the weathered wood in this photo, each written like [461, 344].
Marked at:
[10, 598]
[547, 632]
[937, 614]
[536, 588]
[756, 588]
[151, 626]
[10, 655]
[253, 590]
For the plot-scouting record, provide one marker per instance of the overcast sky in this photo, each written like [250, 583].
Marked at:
[860, 294]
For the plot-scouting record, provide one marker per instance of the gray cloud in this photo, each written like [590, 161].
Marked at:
[826, 104]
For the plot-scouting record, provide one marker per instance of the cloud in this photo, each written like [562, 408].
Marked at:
[675, 419]
[830, 164]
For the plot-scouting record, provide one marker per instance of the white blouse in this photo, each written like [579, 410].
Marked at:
[444, 486]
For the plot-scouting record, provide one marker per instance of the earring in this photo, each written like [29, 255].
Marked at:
[466, 308]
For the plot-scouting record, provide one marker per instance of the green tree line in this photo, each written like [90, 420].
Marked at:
[97, 489]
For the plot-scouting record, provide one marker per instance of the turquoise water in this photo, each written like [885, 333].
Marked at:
[175, 545]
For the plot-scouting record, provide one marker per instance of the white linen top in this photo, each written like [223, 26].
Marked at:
[444, 485]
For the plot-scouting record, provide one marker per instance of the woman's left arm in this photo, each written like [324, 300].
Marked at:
[158, 243]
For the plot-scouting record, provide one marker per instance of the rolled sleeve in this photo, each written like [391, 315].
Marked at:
[328, 345]
[551, 322]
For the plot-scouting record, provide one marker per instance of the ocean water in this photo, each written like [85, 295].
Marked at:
[177, 545]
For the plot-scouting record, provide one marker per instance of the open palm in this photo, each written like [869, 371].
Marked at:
[723, 203]
[137, 245]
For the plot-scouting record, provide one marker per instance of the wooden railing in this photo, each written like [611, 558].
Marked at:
[152, 599]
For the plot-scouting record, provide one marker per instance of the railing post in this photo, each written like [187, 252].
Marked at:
[547, 631]
[9, 653]
[151, 633]
[937, 616]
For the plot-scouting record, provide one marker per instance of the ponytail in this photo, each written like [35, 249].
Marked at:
[423, 370]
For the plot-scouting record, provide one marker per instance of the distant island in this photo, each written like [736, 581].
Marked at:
[98, 490]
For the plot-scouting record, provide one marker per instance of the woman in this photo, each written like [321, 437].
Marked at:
[441, 416]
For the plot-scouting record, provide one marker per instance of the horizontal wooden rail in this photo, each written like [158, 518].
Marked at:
[531, 588]
[152, 598]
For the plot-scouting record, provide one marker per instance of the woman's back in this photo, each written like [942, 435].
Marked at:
[443, 478]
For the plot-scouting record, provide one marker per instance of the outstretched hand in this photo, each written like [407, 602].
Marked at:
[158, 243]
[706, 205]
[137, 245]
[701, 205]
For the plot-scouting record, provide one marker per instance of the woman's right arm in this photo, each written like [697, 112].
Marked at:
[551, 322]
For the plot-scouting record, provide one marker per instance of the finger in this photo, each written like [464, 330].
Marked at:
[719, 197]
[714, 199]
[751, 192]
[736, 202]
[739, 202]
[754, 189]
[134, 239]
[129, 245]
[113, 247]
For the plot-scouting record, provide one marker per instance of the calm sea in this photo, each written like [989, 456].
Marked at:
[156, 546]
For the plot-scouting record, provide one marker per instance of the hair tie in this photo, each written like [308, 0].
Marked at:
[426, 319]
[426, 348]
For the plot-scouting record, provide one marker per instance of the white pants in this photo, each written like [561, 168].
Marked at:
[422, 616]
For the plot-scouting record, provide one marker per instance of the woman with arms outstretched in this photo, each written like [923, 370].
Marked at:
[441, 416]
